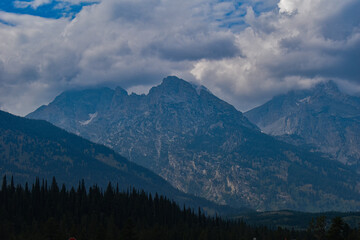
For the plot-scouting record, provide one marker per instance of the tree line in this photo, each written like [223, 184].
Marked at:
[47, 211]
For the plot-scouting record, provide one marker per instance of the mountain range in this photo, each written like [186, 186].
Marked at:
[204, 146]
[35, 148]
[321, 118]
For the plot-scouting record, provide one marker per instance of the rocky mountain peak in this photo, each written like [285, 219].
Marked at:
[173, 80]
[172, 85]
[323, 89]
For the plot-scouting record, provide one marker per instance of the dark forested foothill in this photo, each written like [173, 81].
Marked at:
[46, 211]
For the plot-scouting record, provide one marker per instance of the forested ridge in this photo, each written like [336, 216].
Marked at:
[46, 211]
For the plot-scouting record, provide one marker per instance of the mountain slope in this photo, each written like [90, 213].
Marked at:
[204, 146]
[323, 118]
[30, 148]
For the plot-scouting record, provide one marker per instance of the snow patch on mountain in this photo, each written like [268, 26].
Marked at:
[92, 116]
[305, 100]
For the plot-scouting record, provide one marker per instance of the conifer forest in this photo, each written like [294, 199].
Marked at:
[49, 211]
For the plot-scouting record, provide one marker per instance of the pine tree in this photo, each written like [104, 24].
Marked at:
[319, 228]
[336, 230]
[128, 231]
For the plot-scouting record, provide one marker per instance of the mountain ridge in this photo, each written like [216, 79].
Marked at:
[204, 146]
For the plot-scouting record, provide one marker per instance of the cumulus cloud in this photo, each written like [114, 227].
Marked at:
[127, 43]
[294, 46]
[243, 51]
[288, 6]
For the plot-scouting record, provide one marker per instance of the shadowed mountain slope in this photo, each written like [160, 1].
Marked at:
[30, 148]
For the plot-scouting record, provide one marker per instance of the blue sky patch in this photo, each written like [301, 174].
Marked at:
[55, 9]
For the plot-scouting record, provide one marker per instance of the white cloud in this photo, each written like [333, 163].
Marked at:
[288, 6]
[135, 43]
[287, 51]
[107, 43]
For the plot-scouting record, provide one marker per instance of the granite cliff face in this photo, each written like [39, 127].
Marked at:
[204, 146]
[323, 118]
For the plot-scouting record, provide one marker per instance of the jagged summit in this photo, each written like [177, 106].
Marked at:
[173, 82]
[327, 88]
[174, 85]
[173, 79]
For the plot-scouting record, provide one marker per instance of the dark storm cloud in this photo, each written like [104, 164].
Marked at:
[199, 47]
[133, 11]
[341, 25]
[348, 66]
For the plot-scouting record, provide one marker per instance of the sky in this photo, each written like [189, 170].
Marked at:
[245, 52]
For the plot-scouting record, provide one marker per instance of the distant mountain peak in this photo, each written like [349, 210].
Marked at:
[178, 88]
[328, 88]
[173, 78]
[173, 82]
[326, 118]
